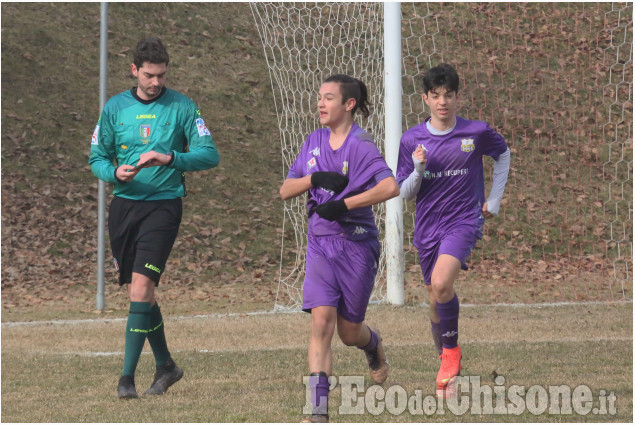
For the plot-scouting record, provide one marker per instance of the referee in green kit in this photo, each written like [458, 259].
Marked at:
[153, 134]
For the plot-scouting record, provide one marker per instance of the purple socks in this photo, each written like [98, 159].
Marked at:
[372, 344]
[449, 322]
[319, 383]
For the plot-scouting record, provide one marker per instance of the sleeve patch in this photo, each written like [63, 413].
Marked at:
[202, 129]
[95, 139]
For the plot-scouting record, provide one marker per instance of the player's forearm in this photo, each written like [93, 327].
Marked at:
[499, 180]
[294, 187]
[410, 187]
[384, 190]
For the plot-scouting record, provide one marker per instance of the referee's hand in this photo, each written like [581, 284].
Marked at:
[153, 159]
[125, 173]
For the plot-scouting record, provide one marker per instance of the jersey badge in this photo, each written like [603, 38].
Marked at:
[467, 145]
[144, 130]
[202, 129]
[312, 163]
[95, 139]
[345, 167]
[316, 151]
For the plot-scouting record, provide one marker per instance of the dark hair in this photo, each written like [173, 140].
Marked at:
[442, 75]
[352, 88]
[150, 49]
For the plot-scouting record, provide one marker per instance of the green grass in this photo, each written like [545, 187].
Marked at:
[249, 368]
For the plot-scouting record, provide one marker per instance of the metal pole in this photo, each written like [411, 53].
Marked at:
[101, 207]
[394, 207]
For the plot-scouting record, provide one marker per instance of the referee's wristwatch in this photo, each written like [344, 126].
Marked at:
[171, 159]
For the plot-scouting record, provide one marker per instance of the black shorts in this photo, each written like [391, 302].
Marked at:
[142, 234]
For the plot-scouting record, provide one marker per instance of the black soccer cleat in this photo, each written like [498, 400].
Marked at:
[126, 387]
[164, 377]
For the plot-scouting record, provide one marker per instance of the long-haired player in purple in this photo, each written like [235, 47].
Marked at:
[441, 165]
[344, 174]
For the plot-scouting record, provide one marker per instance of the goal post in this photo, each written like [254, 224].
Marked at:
[392, 119]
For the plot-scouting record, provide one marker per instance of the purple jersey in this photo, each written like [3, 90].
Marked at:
[452, 189]
[359, 159]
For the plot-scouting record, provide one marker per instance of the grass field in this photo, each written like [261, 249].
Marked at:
[249, 367]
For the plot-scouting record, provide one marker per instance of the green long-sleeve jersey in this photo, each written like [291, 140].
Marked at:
[129, 126]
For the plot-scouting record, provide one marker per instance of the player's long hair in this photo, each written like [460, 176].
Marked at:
[352, 88]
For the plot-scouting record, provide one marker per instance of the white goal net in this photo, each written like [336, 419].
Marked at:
[555, 79]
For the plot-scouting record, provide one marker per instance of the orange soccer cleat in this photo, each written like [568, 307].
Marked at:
[449, 370]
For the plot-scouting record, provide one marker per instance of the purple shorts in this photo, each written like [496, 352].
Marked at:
[340, 273]
[458, 242]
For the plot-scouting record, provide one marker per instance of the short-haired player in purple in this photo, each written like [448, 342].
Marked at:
[344, 174]
[441, 164]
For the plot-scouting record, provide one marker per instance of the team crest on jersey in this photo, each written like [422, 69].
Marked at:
[316, 151]
[467, 145]
[145, 131]
[312, 162]
[202, 129]
[95, 139]
[345, 167]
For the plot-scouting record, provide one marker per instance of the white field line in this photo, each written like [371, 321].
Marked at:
[255, 349]
[272, 312]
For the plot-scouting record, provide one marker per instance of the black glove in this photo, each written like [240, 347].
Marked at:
[331, 210]
[329, 180]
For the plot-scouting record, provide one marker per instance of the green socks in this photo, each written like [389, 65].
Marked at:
[156, 336]
[136, 333]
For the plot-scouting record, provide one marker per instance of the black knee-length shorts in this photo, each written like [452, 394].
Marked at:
[142, 234]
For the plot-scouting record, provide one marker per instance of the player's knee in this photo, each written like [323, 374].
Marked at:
[441, 290]
[349, 333]
[141, 289]
[321, 328]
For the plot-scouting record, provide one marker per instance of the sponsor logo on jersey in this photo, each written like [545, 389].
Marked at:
[312, 163]
[95, 138]
[345, 167]
[124, 147]
[467, 145]
[447, 173]
[202, 129]
[145, 117]
[316, 151]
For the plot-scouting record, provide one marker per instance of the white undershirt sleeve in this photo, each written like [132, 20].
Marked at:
[410, 187]
[499, 180]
